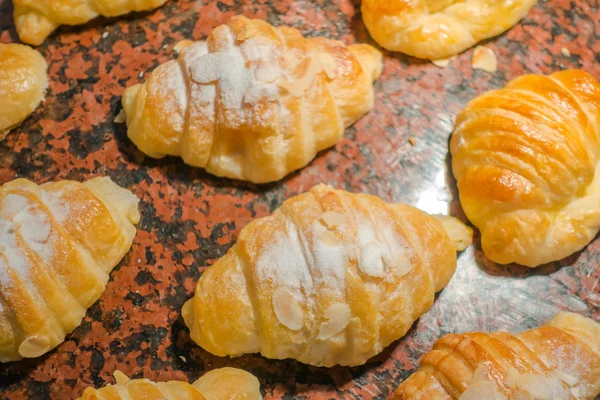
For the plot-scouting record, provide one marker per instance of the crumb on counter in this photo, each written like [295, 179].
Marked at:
[443, 62]
[565, 52]
[412, 140]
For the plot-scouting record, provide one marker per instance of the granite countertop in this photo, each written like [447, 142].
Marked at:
[190, 218]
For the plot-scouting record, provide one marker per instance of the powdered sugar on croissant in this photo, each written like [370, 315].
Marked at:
[252, 102]
[330, 278]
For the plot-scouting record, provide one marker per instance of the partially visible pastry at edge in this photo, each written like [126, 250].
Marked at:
[558, 361]
[252, 102]
[218, 384]
[23, 82]
[330, 278]
[438, 29]
[36, 19]
[527, 162]
[58, 243]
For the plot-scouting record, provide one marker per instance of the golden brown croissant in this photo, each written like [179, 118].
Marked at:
[559, 361]
[58, 243]
[437, 29]
[330, 278]
[252, 102]
[527, 162]
[36, 19]
[218, 384]
[23, 82]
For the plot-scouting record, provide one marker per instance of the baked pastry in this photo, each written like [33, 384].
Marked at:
[559, 361]
[252, 102]
[330, 278]
[438, 29]
[23, 82]
[36, 19]
[527, 162]
[58, 243]
[218, 384]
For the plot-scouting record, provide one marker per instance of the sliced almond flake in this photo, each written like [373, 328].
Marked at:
[297, 87]
[329, 65]
[332, 219]
[182, 44]
[287, 309]
[328, 238]
[512, 377]
[565, 52]
[372, 259]
[120, 377]
[443, 62]
[121, 117]
[484, 59]
[248, 32]
[34, 346]
[338, 317]
[400, 264]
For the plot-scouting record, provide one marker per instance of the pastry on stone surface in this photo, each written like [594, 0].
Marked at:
[218, 384]
[36, 19]
[23, 82]
[558, 361]
[58, 243]
[438, 29]
[330, 278]
[252, 102]
[527, 162]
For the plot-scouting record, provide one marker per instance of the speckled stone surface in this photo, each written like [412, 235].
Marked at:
[190, 218]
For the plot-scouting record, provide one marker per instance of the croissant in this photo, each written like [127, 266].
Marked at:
[36, 19]
[437, 29]
[23, 82]
[330, 278]
[252, 102]
[527, 162]
[559, 361]
[218, 384]
[58, 243]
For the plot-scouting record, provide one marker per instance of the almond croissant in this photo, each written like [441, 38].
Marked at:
[330, 278]
[559, 361]
[218, 384]
[437, 29]
[527, 162]
[58, 243]
[36, 19]
[252, 102]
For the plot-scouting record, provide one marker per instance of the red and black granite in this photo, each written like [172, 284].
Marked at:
[190, 218]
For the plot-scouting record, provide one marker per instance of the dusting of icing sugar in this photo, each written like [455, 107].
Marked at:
[172, 85]
[18, 217]
[329, 263]
[283, 263]
[59, 208]
[262, 91]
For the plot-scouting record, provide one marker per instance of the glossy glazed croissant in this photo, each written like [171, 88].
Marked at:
[218, 384]
[437, 29]
[527, 162]
[36, 19]
[558, 361]
[23, 82]
[252, 102]
[330, 278]
[58, 243]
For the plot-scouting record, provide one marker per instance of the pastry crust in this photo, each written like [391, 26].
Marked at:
[218, 384]
[23, 82]
[58, 243]
[527, 162]
[559, 361]
[252, 102]
[330, 278]
[438, 29]
[36, 19]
